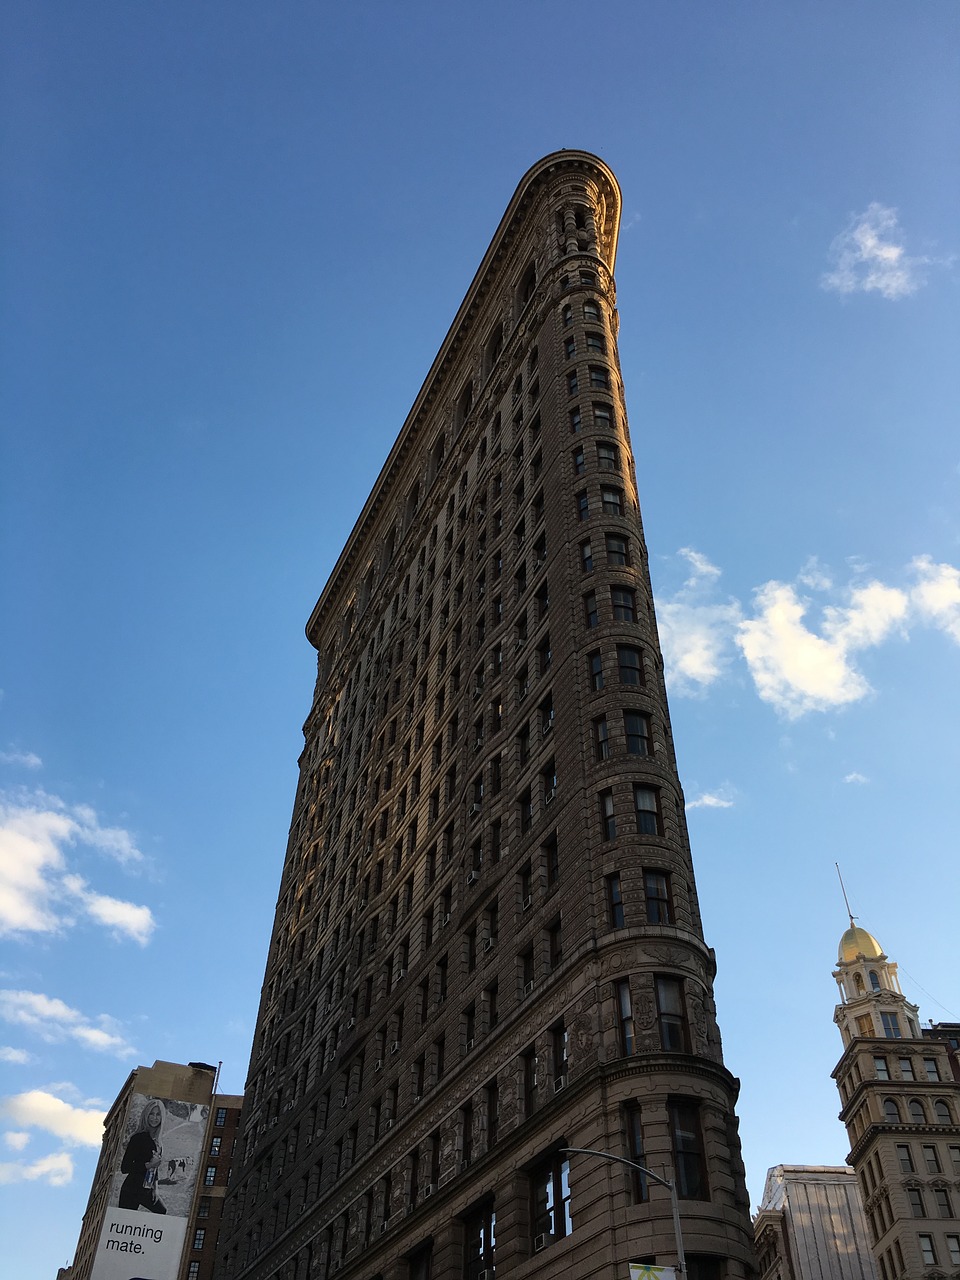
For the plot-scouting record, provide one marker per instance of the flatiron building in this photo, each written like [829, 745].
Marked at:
[487, 947]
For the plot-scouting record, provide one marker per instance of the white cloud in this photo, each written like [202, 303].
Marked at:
[54, 1021]
[122, 918]
[936, 596]
[38, 1109]
[798, 665]
[17, 1140]
[711, 800]
[28, 759]
[697, 632]
[868, 256]
[56, 1169]
[18, 1056]
[37, 895]
[796, 670]
[859, 778]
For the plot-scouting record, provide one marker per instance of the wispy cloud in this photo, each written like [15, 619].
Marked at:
[56, 1170]
[38, 1109]
[711, 800]
[802, 655]
[19, 1057]
[869, 256]
[16, 1140]
[38, 893]
[858, 778]
[55, 1021]
[696, 629]
[28, 759]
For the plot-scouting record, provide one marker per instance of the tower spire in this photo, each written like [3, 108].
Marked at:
[846, 900]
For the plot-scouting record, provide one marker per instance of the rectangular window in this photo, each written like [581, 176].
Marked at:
[608, 456]
[586, 557]
[931, 1159]
[618, 550]
[480, 1230]
[528, 1063]
[199, 1237]
[193, 1271]
[671, 1015]
[634, 1129]
[915, 1199]
[583, 505]
[608, 820]
[203, 1207]
[615, 911]
[931, 1069]
[550, 1214]
[944, 1206]
[625, 1018]
[953, 1248]
[595, 668]
[596, 343]
[575, 421]
[904, 1158]
[572, 382]
[636, 729]
[599, 378]
[630, 664]
[601, 739]
[624, 604]
[210, 1175]
[647, 804]
[569, 348]
[215, 1146]
[927, 1251]
[602, 416]
[657, 896]
[687, 1144]
[891, 1026]
[611, 500]
[881, 1068]
[221, 1117]
[906, 1069]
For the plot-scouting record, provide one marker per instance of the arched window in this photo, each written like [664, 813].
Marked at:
[527, 287]
[917, 1114]
[891, 1111]
[942, 1112]
[858, 983]
[874, 980]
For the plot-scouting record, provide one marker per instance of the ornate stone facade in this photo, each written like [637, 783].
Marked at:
[901, 1106]
[487, 943]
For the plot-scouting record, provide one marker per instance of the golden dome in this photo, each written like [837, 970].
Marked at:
[857, 942]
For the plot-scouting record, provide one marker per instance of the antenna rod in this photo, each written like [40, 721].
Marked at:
[843, 890]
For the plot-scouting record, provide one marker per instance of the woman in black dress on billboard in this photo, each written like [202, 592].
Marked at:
[141, 1160]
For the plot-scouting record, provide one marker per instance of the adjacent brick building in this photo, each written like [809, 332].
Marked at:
[487, 945]
[901, 1106]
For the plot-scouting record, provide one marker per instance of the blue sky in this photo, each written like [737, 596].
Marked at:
[236, 235]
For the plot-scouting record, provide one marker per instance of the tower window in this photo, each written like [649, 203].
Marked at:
[688, 1150]
[891, 1026]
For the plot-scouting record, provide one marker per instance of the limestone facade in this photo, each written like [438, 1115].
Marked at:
[487, 944]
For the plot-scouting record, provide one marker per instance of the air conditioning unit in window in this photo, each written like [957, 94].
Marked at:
[549, 795]
[469, 1046]
[351, 1023]
[548, 725]
[527, 902]
[486, 1275]
[428, 1190]
[487, 944]
[401, 973]
[387, 1124]
[476, 810]
[445, 920]
[527, 988]
[559, 1083]
[343, 1103]
[395, 1047]
[541, 1242]
[378, 1065]
[383, 1227]
[478, 744]
[418, 1098]
[473, 877]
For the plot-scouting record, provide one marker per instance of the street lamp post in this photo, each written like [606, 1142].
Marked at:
[663, 1182]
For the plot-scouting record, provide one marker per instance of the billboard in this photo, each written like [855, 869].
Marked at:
[638, 1271]
[152, 1190]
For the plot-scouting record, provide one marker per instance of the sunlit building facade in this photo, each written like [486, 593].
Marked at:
[487, 946]
[900, 1091]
